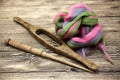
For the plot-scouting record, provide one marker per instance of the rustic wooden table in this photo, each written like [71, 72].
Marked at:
[19, 65]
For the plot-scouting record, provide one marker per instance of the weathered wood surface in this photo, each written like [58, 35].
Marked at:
[19, 65]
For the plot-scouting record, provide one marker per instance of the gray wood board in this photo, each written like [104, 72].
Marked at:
[19, 65]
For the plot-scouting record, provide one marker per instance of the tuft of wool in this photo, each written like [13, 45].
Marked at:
[79, 28]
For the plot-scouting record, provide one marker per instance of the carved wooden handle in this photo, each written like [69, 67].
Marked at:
[62, 49]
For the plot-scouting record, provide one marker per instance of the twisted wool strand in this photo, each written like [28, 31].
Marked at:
[80, 29]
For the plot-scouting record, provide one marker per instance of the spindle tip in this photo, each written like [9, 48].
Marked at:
[14, 18]
[7, 41]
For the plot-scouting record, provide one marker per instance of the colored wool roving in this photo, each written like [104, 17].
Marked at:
[80, 29]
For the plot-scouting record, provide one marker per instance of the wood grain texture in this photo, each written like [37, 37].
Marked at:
[19, 65]
[60, 76]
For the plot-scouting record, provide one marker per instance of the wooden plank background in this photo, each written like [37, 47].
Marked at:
[19, 65]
